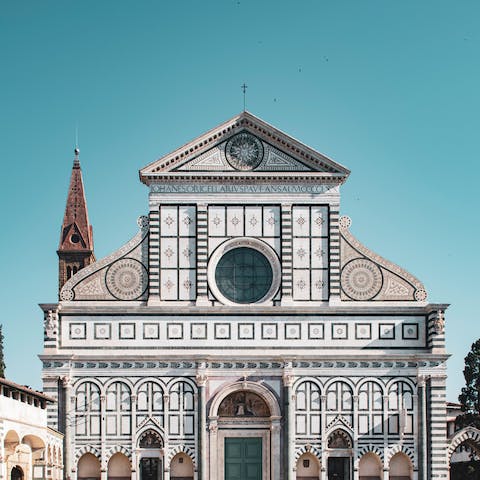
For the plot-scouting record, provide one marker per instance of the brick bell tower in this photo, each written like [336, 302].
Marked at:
[76, 239]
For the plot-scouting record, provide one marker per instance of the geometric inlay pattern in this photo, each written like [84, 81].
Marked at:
[244, 151]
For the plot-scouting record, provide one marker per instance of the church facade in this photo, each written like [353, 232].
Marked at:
[244, 332]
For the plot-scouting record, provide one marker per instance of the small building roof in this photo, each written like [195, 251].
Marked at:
[26, 389]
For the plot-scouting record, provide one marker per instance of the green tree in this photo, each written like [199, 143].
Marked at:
[2, 362]
[470, 396]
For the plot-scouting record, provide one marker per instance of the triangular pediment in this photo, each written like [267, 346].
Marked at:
[244, 146]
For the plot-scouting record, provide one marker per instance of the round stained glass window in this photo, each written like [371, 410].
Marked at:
[244, 275]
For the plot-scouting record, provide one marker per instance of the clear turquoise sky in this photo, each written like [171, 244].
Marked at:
[390, 89]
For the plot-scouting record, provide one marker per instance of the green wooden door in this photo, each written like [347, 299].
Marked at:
[243, 458]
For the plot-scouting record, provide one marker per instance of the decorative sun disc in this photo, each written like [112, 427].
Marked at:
[244, 151]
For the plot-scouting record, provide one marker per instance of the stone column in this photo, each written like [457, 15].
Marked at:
[290, 422]
[355, 438]
[385, 436]
[166, 446]
[323, 466]
[275, 448]
[133, 445]
[213, 432]
[422, 428]
[202, 426]
[68, 443]
[103, 426]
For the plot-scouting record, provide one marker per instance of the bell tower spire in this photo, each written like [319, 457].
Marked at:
[76, 239]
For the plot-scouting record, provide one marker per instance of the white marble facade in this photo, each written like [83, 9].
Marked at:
[335, 370]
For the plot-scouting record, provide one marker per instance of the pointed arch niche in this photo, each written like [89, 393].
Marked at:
[245, 410]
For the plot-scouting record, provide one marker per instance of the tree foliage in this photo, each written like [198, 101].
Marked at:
[470, 396]
[2, 362]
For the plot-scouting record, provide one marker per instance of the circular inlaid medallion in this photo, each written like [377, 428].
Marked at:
[66, 295]
[244, 151]
[126, 279]
[361, 279]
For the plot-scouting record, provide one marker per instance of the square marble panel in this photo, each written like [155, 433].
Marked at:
[222, 331]
[410, 331]
[246, 331]
[174, 331]
[126, 331]
[151, 331]
[339, 331]
[269, 331]
[78, 331]
[316, 331]
[102, 331]
[198, 331]
[293, 331]
[386, 331]
[363, 331]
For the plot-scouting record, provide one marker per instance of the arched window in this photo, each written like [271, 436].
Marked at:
[87, 409]
[400, 407]
[118, 408]
[150, 402]
[339, 401]
[370, 409]
[308, 406]
[182, 409]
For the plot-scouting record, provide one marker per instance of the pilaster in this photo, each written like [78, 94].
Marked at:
[286, 246]
[202, 254]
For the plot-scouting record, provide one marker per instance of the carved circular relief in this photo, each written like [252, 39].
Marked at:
[126, 279]
[361, 279]
[420, 295]
[66, 295]
[244, 151]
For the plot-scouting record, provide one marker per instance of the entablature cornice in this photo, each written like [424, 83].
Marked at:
[135, 309]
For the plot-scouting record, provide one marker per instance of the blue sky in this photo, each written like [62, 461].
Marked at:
[387, 88]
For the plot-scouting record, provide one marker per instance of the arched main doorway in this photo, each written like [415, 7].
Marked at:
[340, 454]
[308, 467]
[244, 426]
[88, 467]
[181, 467]
[16, 473]
[150, 454]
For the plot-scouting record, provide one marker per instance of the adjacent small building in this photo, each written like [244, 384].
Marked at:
[29, 448]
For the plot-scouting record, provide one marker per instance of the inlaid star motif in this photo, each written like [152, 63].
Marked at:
[168, 285]
[187, 284]
[217, 220]
[319, 252]
[169, 220]
[187, 252]
[319, 221]
[187, 220]
[234, 221]
[301, 284]
[301, 221]
[253, 221]
[319, 284]
[168, 252]
[271, 221]
[301, 253]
